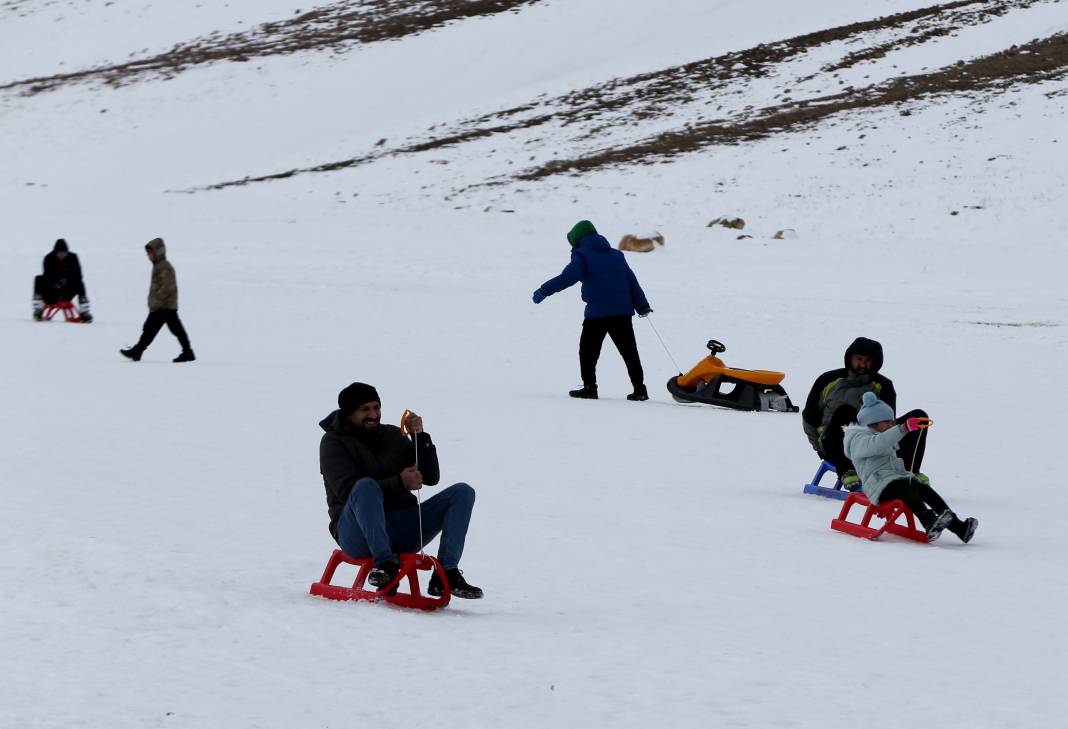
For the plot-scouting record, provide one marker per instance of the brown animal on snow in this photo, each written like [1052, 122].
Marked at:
[640, 245]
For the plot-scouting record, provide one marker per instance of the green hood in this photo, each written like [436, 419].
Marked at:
[579, 231]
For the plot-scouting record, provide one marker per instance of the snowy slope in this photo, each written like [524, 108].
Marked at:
[644, 563]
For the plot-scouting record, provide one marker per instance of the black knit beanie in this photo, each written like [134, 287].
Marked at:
[352, 397]
[61, 246]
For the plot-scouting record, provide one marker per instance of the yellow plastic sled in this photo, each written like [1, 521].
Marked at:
[712, 382]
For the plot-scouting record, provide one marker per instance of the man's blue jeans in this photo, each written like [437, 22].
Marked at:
[367, 529]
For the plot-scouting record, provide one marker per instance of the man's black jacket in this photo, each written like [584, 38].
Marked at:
[347, 454]
[63, 273]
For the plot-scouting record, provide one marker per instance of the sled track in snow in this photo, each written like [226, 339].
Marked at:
[590, 116]
[335, 27]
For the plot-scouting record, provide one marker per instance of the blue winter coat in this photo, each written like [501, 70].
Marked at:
[609, 287]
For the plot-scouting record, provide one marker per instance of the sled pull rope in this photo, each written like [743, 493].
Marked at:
[915, 450]
[418, 494]
[649, 319]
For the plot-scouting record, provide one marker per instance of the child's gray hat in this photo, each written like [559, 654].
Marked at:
[873, 410]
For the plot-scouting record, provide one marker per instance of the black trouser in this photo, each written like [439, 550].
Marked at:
[919, 497]
[52, 294]
[155, 321]
[910, 448]
[621, 330]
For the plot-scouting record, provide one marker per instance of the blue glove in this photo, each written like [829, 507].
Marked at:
[645, 312]
[539, 296]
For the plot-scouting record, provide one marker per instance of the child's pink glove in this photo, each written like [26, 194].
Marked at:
[916, 424]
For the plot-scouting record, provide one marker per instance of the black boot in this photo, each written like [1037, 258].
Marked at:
[935, 524]
[586, 392]
[458, 586]
[639, 394]
[83, 307]
[186, 356]
[964, 530]
[383, 574]
[131, 353]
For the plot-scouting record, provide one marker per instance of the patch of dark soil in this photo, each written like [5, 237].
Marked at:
[1017, 324]
[622, 102]
[1034, 62]
[336, 26]
[953, 18]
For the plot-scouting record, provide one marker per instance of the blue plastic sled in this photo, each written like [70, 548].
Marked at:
[832, 492]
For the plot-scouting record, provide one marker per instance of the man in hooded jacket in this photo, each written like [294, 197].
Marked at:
[612, 295]
[370, 471]
[836, 398]
[60, 281]
[162, 306]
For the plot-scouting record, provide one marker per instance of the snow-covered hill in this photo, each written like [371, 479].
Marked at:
[405, 176]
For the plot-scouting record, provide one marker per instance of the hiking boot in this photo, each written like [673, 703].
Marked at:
[186, 356]
[639, 394]
[86, 318]
[935, 524]
[965, 530]
[586, 392]
[383, 574]
[458, 586]
[131, 353]
[851, 481]
[38, 314]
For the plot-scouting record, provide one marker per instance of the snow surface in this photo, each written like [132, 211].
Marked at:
[644, 564]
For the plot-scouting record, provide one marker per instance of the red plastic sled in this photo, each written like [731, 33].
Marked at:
[70, 312]
[410, 564]
[891, 511]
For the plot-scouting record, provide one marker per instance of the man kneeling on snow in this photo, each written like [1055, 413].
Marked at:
[370, 472]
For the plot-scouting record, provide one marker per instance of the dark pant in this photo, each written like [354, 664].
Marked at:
[910, 448]
[921, 500]
[621, 330]
[367, 529]
[155, 321]
[52, 293]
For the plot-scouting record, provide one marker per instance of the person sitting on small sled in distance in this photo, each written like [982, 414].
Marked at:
[60, 281]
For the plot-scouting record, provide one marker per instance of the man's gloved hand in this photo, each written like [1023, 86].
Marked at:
[916, 424]
[539, 296]
[645, 312]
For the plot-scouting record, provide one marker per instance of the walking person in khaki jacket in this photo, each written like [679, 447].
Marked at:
[162, 306]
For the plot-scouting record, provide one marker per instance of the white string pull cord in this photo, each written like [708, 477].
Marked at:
[419, 492]
[649, 319]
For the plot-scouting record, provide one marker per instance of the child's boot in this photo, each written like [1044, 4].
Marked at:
[935, 524]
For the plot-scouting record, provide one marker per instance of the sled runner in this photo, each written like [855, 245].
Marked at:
[410, 565]
[890, 512]
[714, 383]
[831, 492]
[69, 310]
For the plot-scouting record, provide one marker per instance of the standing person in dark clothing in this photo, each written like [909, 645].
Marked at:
[835, 399]
[61, 281]
[162, 306]
[612, 295]
[370, 472]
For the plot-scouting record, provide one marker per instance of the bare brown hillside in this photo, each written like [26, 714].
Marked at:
[700, 94]
[330, 27]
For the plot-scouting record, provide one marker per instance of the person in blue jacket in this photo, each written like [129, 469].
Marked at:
[612, 295]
